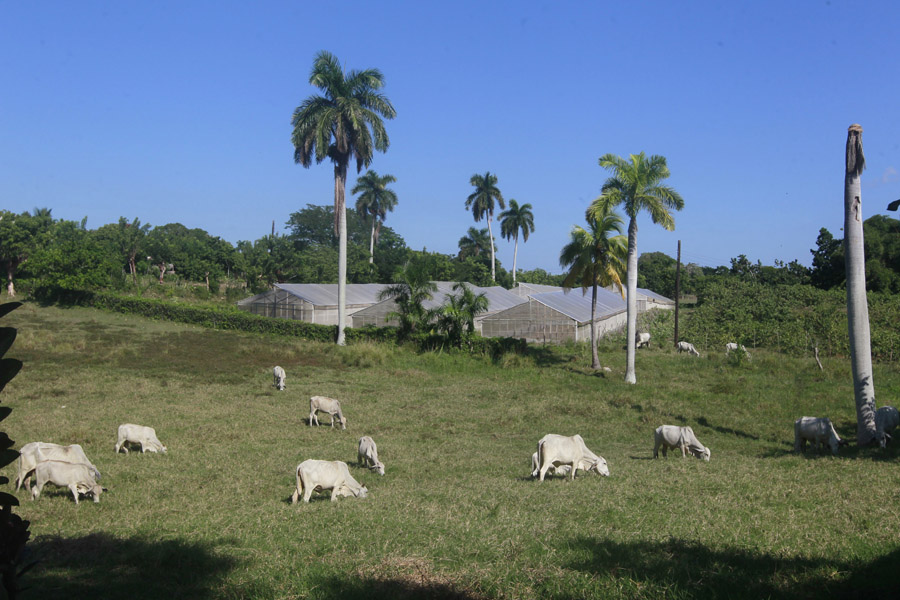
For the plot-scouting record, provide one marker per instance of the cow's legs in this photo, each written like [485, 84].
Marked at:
[74, 488]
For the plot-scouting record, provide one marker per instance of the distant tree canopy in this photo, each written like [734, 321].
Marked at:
[882, 250]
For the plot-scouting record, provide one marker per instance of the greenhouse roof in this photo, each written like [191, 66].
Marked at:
[325, 294]
[577, 305]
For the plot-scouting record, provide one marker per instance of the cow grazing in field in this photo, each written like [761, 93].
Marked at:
[322, 475]
[367, 455]
[329, 406]
[278, 375]
[818, 431]
[733, 347]
[886, 420]
[678, 438]
[687, 347]
[642, 340]
[555, 451]
[536, 469]
[33, 453]
[140, 435]
[79, 478]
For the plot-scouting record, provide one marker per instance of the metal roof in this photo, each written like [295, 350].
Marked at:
[527, 289]
[498, 298]
[325, 294]
[577, 306]
[655, 296]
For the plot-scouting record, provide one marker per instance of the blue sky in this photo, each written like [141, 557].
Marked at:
[180, 112]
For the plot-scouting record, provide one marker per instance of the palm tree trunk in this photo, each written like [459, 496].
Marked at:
[491, 235]
[857, 305]
[340, 215]
[10, 273]
[631, 301]
[372, 242]
[515, 258]
[595, 358]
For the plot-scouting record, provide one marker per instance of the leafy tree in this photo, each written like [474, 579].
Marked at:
[594, 257]
[75, 258]
[130, 237]
[374, 202]
[512, 221]
[656, 271]
[857, 305]
[474, 244]
[636, 184]
[336, 126]
[20, 236]
[481, 202]
[411, 289]
[456, 317]
[541, 277]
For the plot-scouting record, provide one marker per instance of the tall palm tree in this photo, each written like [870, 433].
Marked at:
[636, 185]
[336, 125]
[481, 201]
[857, 305]
[595, 257]
[474, 242]
[512, 221]
[375, 201]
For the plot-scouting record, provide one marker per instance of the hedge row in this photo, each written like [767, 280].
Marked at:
[234, 319]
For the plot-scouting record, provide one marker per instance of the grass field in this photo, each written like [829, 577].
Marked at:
[456, 515]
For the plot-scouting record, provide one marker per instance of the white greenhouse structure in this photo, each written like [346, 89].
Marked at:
[311, 302]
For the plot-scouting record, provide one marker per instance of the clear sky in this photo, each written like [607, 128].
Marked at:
[180, 112]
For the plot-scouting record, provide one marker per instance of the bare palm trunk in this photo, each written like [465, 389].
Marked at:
[631, 301]
[491, 235]
[515, 259]
[340, 215]
[857, 305]
[133, 268]
[595, 357]
[372, 244]
[10, 273]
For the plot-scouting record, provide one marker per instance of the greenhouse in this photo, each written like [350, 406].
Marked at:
[311, 302]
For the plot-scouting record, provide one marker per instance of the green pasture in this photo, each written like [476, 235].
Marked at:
[456, 515]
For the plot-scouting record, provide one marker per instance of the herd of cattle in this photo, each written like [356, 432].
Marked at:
[69, 467]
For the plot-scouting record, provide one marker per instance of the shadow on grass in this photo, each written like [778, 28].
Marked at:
[399, 583]
[691, 570]
[544, 356]
[727, 430]
[101, 566]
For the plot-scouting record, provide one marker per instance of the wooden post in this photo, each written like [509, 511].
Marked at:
[677, 290]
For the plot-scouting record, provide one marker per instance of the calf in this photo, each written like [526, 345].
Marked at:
[555, 451]
[278, 375]
[322, 475]
[329, 406]
[733, 347]
[536, 469]
[818, 431]
[886, 420]
[367, 455]
[642, 340]
[79, 478]
[687, 347]
[141, 435]
[31, 454]
[678, 438]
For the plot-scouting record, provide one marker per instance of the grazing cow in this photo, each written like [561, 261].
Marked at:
[687, 347]
[278, 374]
[886, 420]
[818, 431]
[79, 478]
[678, 438]
[321, 475]
[367, 455]
[535, 468]
[141, 435]
[733, 347]
[642, 340]
[554, 451]
[31, 454]
[329, 406]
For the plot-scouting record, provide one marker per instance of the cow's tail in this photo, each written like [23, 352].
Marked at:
[299, 489]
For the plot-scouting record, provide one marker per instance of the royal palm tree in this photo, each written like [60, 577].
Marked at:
[512, 221]
[857, 305]
[342, 123]
[410, 290]
[481, 201]
[375, 201]
[595, 257]
[636, 185]
[474, 243]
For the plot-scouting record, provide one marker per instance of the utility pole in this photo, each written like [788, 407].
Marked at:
[677, 289]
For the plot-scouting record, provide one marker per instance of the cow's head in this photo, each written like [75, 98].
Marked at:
[704, 454]
[343, 422]
[600, 467]
[363, 492]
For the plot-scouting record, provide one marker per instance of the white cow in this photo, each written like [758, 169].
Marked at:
[79, 478]
[536, 469]
[642, 339]
[321, 475]
[278, 375]
[687, 347]
[554, 451]
[818, 431]
[33, 453]
[141, 435]
[678, 438]
[329, 406]
[886, 420]
[733, 347]
[367, 455]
